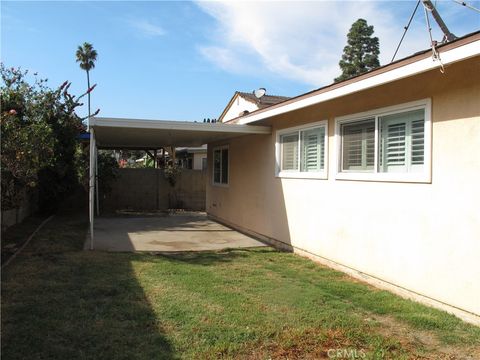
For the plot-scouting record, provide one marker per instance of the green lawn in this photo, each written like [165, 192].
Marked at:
[16, 235]
[59, 302]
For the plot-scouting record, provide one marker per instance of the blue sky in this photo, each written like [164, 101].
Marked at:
[184, 60]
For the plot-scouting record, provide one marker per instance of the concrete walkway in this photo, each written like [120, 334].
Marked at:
[168, 233]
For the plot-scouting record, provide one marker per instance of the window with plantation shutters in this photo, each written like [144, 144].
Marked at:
[389, 144]
[358, 142]
[402, 142]
[313, 149]
[301, 151]
[289, 152]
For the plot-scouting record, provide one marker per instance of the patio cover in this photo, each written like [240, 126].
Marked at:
[152, 134]
[115, 133]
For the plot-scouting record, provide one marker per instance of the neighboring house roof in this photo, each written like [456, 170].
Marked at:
[460, 49]
[262, 103]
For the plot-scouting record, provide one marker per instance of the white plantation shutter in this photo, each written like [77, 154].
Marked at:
[395, 144]
[289, 144]
[313, 149]
[418, 142]
[402, 142]
[358, 145]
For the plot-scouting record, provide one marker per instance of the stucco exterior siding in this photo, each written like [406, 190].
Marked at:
[423, 237]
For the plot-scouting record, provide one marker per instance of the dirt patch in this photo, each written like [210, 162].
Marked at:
[313, 343]
[400, 341]
[414, 339]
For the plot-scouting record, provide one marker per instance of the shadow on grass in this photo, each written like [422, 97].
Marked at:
[207, 258]
[63, 303]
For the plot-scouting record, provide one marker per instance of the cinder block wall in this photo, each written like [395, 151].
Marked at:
[148, 189]
[28, 206]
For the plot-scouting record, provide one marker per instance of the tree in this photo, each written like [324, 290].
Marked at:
[361, 53]
[86, 56]
[39, 128]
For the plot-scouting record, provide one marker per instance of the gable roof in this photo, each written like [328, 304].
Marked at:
[262, 103]
[460, 49]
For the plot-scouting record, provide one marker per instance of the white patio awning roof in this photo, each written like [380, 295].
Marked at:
[153, 134]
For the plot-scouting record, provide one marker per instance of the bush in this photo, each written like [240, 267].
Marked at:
[39, 127]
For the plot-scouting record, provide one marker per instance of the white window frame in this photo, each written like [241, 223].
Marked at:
[297, 174]
[415, 177]
[213, 166]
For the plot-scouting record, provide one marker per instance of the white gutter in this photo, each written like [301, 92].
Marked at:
[178, 125]
[447, 57]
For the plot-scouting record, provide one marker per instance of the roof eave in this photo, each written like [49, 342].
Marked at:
[175, 125]
[410, 66]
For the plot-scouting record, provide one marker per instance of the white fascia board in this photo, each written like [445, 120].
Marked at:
[448, 57]
[178, 125]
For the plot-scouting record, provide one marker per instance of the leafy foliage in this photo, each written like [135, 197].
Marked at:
[107, 170]
[86, 56]
[171, 172]
[361, 53]
[39, 127]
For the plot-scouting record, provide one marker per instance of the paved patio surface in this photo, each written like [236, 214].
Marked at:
[168, 233]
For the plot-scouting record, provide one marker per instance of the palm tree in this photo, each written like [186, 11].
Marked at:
[86, 56]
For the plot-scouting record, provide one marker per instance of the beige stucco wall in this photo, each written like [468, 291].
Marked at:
[424, 237]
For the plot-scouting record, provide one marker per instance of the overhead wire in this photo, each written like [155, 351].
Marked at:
[463, 3]
[405, 31]
[435, 53]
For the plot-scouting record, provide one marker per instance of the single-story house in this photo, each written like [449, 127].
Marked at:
[377, 176]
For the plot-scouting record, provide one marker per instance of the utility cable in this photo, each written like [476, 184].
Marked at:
[463, 3]
[406, 29]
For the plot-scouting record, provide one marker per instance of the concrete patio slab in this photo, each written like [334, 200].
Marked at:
[168, 233]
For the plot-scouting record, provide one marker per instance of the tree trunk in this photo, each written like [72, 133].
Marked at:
[88, 84]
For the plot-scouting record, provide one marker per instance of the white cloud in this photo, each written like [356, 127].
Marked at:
[224, 58]
[303, 41]
[146, 28]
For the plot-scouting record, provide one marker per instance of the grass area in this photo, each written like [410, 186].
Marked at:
[14, 237]
[61, 302]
